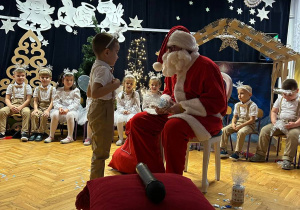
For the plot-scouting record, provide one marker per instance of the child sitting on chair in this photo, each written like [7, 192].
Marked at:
[243, 122]
[151, 98]
[128, 104]
[43, 103]
[66, 104]
[17, 100]
[286, 109]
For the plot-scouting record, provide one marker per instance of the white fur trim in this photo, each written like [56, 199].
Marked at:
[201, 133]
[179, 93]
[183, 40]
[194, 107]
[157, 66]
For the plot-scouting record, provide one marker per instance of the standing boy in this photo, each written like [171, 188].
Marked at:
[17, 100]
[43, 103]
[285, 108]
[243, 122]
[101, 112]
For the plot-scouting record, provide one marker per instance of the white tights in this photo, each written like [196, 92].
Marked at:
[54, 123]
[89, 132]
[120, 130]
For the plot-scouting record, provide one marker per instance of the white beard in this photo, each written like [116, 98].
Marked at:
[175, 62]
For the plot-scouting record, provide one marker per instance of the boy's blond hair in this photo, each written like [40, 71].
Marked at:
[45, 71]
[248, 88]
[20, 68]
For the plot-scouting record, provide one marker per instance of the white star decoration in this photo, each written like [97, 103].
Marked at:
[75, 32]
[45, 42]
[177, 18]
[252, 11]
[239, 11]
[269, 2]
[1, 7]
[191, 2]
[135, 22]
[252, 21]
[8, 25]
[230, 1]
[262, 14]
[231, 7]
[207, 9]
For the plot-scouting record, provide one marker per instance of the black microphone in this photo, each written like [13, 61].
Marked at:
[155, 189]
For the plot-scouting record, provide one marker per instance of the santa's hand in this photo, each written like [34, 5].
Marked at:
[176, 109]
[161, 110]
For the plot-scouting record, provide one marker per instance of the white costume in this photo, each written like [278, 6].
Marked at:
[82, 118]
[149, 100]
[127, 103]
[67, 100]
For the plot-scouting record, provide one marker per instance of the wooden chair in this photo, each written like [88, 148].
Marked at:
[260, 115]
[214, 140]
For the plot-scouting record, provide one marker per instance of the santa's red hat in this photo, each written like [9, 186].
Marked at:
[181, 38]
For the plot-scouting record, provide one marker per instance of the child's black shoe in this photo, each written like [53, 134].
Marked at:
[39, 137]
[32, 137]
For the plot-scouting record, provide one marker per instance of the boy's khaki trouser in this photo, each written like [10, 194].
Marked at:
[241, 134]
[25, 113]
[290, 145]
[101, 121]
[38, 121]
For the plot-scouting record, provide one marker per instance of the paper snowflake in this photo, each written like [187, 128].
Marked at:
[45, 42]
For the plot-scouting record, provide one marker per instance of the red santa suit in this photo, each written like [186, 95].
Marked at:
[199, 89]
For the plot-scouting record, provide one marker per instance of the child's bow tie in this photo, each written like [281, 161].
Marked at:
[44, 88]
[18, 86]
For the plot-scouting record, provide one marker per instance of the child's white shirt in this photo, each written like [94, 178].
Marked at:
[288, 108]
[19, 90]
[44, 92]
[253, 109]
[101, 74]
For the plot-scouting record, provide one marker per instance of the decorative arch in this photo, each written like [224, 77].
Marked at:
[263, 43]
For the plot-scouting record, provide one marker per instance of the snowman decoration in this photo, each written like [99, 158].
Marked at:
[35, 16]
[71, 16]
[113, 20]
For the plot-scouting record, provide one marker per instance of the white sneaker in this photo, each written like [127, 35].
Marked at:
[48, 139]
[120, 142]
[67, 140]
[87, 142]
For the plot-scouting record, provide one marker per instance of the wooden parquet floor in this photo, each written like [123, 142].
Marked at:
[35, 175]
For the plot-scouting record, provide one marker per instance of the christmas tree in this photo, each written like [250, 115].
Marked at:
[137, 61]
[88, 54]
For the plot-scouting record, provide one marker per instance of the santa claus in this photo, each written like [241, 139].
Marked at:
[195, 89]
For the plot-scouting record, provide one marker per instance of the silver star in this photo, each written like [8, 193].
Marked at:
[262, 14]
[177, 18]
[239, 11]
[135, 22]
[207, 9]
[191, 2]
[8, 25]
[252, 11]
[269, 2]
[231, 7]
[252, 21]
[75, 32]
[45, 42]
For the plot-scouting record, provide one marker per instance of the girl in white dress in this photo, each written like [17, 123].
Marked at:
[66, 104]
[151, 98]
[128, 104]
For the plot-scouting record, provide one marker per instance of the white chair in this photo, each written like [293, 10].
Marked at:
[214, 140]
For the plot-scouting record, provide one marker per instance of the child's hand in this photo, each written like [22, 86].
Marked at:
[17, 109]
[233, 126]
[290, 125]
[116, 82]
[46, 113]
[126, 112]
[13, 109]
[238, 127]
[66, 111]
[61, 110]
[34, 112]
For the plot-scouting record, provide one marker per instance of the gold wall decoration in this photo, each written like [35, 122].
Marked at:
[28, 52]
